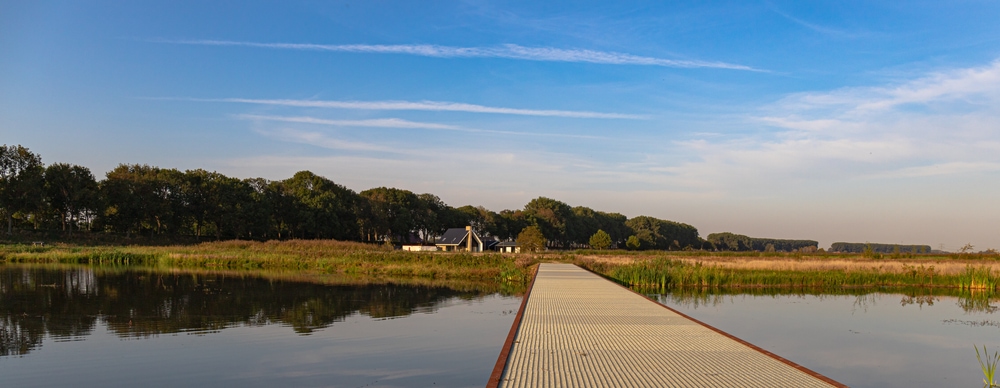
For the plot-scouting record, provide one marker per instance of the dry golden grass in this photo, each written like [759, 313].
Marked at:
[941, 266]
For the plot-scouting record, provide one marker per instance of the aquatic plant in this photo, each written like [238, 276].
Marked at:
[658, 274]
[989, 366]
[979, 278]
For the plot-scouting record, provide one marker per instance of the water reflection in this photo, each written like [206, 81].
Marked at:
[881, 338]
[864, 298]
[68, 303]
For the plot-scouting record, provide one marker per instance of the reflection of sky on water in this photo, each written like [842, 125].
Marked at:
[874, 340]
[454, 346]
[80, 327]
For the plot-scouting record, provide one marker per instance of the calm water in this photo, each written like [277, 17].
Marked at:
[113, 327]
[93, 327]
[873, 340]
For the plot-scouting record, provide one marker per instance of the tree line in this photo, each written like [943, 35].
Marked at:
[143, 200]
[878, 248]
[737, 242]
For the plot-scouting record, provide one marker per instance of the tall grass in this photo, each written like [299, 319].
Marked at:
[662, 274]
[308, 256]
[979, 278]
[989, 367]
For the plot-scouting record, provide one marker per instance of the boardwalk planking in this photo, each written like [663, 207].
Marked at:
[579, 330]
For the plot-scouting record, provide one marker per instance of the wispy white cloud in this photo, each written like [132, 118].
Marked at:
[508, 51]
[825, 30]
[322, 140]
[425, 169]
[376, 123]
[423, 106]
[399, 123]
[935, 125]
[978, 85]
[946, 168]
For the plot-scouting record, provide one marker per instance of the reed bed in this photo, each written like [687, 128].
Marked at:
[663, 273]
[334, 279]
[304, 256]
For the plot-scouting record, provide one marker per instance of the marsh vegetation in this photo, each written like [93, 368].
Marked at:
[820, 272]
[352, 260]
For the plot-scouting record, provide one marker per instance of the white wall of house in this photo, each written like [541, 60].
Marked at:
[420, 248]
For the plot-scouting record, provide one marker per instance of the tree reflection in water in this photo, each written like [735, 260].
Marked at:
[68, 303]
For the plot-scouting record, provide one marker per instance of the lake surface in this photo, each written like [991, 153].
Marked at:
[92, 326]
[870, 340]
[79, 326]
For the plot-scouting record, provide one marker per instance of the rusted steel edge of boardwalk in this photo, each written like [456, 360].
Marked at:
[509, 343]
[576, 328]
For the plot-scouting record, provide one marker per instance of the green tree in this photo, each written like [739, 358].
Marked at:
[531, 239]
[553, 218]
[583, 225]
[217, 202]
[614, 225]
[235, 205]
[633, 243]
[662, 234]
[395, 212]
[431, 218]
[510, 223]
[21, 182]
[319, 208]
[260, 218]
[730, 241]
[285, 209]
[600, 240]
[200, 197]
[140, 198]
[70, 190]
[481, 219]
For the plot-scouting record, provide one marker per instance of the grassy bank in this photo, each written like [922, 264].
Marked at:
[655, 271]
[299, 257]
[679, 271]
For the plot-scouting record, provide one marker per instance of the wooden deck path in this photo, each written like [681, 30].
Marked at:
[576, 329]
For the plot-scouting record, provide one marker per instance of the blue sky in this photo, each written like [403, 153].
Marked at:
[828, 120]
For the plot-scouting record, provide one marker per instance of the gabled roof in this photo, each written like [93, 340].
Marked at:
[507, 244]
[453, 236]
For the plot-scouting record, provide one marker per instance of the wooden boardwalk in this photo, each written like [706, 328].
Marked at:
[576, 329]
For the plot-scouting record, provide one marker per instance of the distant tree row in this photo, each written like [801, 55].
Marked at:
[737, 242]
[878, 248]
[653, 233]
[136, 199]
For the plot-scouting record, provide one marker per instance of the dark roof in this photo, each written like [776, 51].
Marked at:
[507, 244]
[453, 236]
